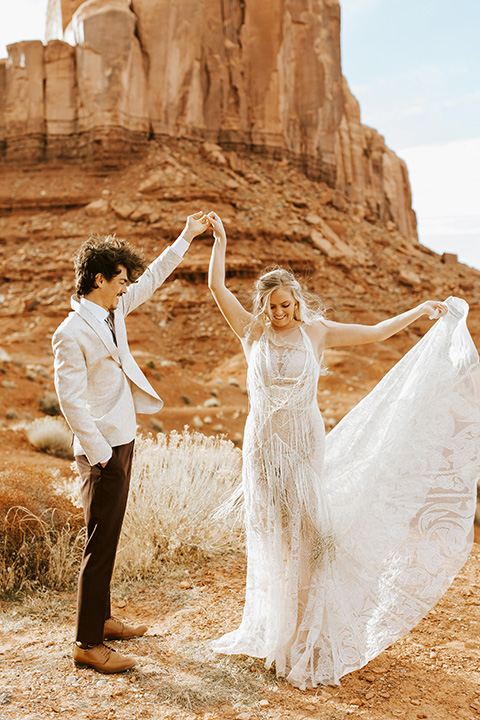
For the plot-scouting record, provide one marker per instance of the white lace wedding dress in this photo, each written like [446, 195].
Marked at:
[353, 538]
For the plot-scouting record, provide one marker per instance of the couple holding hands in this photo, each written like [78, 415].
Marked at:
[352, 538]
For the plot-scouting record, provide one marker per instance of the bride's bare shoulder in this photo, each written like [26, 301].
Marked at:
[318, 328]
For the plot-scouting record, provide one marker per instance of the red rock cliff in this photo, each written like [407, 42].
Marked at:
[264, 76]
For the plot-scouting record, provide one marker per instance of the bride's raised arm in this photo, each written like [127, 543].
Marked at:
[232, 310]
[340, 334]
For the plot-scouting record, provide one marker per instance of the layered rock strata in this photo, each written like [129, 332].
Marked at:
[254, 75]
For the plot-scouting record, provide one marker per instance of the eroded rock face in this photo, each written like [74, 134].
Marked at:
[112, 90]
[258, 74]
[264, 76]
[60, 99]
[24, 101]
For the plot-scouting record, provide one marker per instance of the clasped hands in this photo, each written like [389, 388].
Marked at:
[199, 222]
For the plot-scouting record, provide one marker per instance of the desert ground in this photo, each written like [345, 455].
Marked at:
[432, 673]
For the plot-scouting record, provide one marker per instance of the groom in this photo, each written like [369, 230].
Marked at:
[100, 389]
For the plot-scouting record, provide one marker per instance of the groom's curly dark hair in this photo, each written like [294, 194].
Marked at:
[105, 254]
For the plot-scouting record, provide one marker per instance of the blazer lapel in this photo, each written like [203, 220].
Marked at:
[103, 333]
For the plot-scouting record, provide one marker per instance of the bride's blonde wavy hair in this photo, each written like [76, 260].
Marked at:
[308, 307]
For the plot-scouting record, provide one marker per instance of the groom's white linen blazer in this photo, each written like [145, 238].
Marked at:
[99, 384]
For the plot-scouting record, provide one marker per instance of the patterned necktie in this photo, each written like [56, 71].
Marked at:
[111, 324]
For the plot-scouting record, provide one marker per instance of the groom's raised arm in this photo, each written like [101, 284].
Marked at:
[158, 271]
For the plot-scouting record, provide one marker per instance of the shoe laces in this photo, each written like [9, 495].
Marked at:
[117, 622]
[106, 650]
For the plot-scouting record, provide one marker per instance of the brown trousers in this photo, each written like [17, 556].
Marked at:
[104, 498]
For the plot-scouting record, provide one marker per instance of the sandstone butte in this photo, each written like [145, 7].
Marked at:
[256, 76]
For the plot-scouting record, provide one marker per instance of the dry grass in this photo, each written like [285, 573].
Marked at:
[51, 435]
[178, 481]
[38, 551]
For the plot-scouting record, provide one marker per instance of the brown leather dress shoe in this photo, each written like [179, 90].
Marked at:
[115, 629]
[102, 658]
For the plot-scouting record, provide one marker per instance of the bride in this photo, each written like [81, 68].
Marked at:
[351, 539]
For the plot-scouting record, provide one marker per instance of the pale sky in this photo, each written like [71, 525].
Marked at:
[414, 66]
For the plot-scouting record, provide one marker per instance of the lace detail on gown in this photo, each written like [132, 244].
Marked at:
[353, 538]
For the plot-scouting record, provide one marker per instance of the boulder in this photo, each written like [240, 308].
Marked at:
[122, 209]
[97, 208]
[339, 201]
[213, 153]
[330, 234]
[325, 194]
[145, 212]
[409, 277]
[235, 162]
[331, 245]
[154, 181]
[338, 226]
[449, 258]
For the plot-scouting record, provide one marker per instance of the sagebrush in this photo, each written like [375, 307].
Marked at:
[178, 480]
[52, 436]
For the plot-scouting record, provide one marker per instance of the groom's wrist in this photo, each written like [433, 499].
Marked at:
[181, 245]
[187, 235]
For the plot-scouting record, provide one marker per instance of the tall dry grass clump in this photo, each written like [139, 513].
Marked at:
[51, 435]
[178, 480]
[38, 551]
